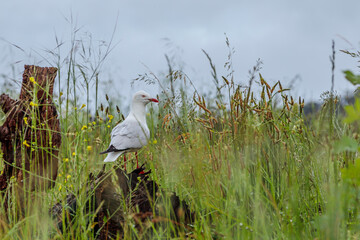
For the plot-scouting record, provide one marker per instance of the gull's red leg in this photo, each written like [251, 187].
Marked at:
[137, 162]
[124, 161]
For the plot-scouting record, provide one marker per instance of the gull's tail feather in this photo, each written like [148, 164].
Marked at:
[112, 156]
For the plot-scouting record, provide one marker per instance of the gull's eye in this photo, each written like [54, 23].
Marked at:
[143, 96]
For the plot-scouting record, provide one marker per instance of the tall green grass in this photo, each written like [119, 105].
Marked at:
[247, 162]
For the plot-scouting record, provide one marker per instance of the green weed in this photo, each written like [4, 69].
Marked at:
[248, 163]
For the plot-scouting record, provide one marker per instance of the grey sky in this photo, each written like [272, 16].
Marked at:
[291, 37]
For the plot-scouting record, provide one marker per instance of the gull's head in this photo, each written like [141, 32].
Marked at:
[143, 97]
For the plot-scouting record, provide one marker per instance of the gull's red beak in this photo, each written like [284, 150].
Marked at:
[153, 100]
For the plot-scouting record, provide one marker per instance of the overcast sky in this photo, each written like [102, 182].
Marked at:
[292, 38]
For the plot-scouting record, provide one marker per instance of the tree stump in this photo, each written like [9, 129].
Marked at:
[145, 203]
[30, 136]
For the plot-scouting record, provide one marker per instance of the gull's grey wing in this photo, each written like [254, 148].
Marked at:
[129, 135]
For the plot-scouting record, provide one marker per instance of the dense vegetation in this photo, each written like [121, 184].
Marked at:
[248, 162]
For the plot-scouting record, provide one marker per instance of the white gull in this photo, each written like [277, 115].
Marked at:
[133, 133]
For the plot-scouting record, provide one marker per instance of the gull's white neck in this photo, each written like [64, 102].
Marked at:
[138, 110]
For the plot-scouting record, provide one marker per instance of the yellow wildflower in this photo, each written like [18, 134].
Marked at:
[73, 153]
[61, 93]
[110, 117]
[68, 176]
[25, 120]
[108, 126]
[26, 144]
[66, 159]
[82, 106]
[155, 141]
[32, 79]
[89, 148]
[94, 123]
[84, 127]
[33, 104]
[60, 188]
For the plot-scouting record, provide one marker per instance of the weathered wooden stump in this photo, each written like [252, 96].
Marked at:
[30, 136]
[145, 203]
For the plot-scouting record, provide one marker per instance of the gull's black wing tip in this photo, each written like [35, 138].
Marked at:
[113, 149]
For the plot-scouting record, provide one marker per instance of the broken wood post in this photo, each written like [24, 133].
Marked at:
[30, 136]
[114, 197]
